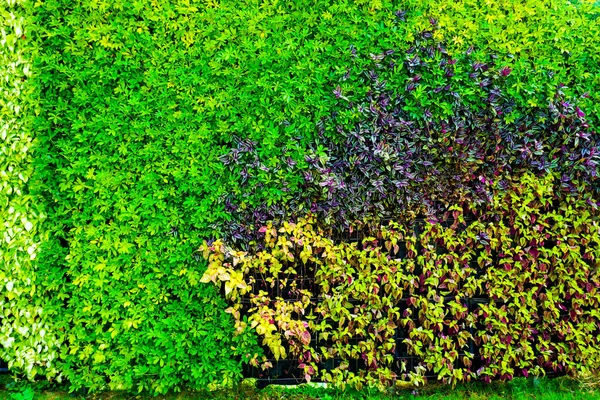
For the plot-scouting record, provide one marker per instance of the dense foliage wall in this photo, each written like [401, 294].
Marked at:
[135, 109]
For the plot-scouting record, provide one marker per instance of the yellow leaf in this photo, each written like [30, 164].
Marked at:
[206, 278]
[228, 287]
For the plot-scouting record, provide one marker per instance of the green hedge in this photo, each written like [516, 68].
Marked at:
[132, 103]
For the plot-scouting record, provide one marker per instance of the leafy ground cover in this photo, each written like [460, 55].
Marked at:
[520, 388]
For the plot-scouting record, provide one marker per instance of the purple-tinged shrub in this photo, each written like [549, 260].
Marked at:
[391, 152]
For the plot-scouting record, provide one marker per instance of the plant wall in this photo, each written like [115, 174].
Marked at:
[154, 125]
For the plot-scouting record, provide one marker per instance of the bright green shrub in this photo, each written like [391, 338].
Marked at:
[28, 344]
[531, 257]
